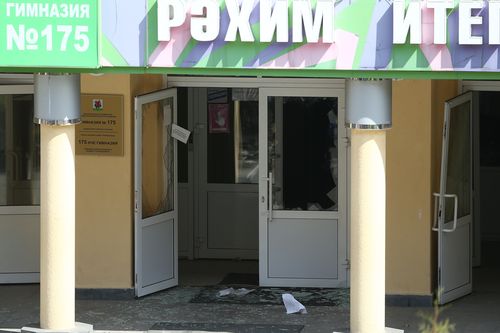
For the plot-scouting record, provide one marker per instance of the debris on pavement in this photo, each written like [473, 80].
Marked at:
[235, 292]
[292, 305]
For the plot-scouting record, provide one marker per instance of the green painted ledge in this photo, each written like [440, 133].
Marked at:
[302, 73]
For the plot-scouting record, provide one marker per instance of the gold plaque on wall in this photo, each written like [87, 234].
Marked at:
[101, 129]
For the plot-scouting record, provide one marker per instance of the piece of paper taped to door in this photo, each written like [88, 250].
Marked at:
[180, 133]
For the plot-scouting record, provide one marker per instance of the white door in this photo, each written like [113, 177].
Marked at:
[155, 192]
[19, 187]
[302, 188]
[226, 144]
[455, 202]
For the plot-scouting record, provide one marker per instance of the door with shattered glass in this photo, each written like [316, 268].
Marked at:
[155, 192]
[302, 188]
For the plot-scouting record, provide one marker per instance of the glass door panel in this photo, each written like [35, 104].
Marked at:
[302, 151]
[19, 152]
[232, 136]
[157, 158]
[458, 177]
[302, 190]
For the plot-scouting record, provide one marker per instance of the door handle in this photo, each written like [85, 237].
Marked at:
[270, 197]
[437, 218]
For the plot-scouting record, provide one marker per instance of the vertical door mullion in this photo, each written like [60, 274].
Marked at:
[138, 195]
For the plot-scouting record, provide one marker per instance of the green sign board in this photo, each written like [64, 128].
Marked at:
[49, 33]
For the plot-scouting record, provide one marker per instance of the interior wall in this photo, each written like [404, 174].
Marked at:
[104, 196]
[408, 267]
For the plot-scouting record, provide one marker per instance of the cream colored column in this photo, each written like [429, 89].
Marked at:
[57, 110]
[368, 231]
[57, 266]
[369, 115]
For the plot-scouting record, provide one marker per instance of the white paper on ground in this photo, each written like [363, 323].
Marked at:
[292, 305]
[232, 291]
[242, 291]
[225, 292]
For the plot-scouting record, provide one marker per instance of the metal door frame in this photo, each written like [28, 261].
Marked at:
[442, 226]
[341, 215]
[27, 87]
[139, 101]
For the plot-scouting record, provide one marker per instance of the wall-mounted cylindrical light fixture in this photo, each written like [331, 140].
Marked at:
[57, 99]
[368, 104]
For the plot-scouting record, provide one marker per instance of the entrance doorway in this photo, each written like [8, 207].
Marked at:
[218, 230]
[19, 186]
[226, 173]
[486, 273]
[262, 182]
[475, 177]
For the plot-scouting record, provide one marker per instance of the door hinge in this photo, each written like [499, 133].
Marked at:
[136, 279]
[347, 264]
[198, 241]
[347, 141]
[136, 204]
[439, 277]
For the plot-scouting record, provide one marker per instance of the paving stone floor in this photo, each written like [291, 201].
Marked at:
[19, 305]
[476, 313]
